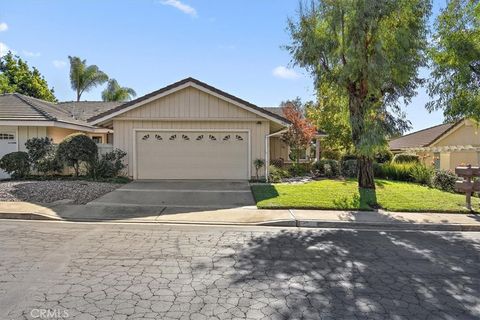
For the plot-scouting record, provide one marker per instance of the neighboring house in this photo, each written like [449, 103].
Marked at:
[187, 130]
[445, 146]
[22, 118]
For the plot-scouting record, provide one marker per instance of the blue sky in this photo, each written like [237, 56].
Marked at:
[234, 45]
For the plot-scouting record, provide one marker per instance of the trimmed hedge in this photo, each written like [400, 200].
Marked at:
[327, 167]
[16, 164]
[406, 158]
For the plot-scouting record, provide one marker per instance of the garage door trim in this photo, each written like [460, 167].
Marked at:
[135, 130]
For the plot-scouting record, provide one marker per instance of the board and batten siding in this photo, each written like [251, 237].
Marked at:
[190, 108]
[25, 133]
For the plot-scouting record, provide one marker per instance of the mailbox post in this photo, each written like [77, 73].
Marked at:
[467, 185]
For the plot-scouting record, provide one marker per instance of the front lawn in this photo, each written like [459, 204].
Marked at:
[343, 195]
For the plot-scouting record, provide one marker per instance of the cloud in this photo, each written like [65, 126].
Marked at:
[3, 49]
[185, 8]
[285, 73]
[3, 26]
[31, 54]
[59, 64]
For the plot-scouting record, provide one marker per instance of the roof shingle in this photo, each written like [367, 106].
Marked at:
[420, 138]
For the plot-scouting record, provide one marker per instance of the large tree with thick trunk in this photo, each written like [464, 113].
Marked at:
[368, 51]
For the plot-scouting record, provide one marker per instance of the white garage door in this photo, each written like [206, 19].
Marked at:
[192, 154]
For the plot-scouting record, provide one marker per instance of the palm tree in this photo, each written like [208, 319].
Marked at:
[114, 92]
[83, 78]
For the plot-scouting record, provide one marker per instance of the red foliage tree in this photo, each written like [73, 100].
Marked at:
[301, 131]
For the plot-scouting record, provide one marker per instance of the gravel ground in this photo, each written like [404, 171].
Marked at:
[80, 192]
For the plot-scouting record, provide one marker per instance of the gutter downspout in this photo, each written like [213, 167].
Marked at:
[267, 149]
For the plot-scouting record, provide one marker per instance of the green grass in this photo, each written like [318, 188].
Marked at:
[344, 195]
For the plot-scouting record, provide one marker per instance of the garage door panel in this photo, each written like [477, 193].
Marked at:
[192, 155]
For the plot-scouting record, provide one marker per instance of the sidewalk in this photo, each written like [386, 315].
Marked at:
[242, 216]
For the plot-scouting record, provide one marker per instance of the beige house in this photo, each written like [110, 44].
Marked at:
[187, 130]
[445, 146]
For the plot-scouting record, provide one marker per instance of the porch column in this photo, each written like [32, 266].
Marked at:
[317, 149]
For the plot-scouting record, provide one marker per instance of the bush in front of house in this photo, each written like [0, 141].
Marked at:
[422, 174]
[109, 165]
[331, 154]
[349, 168]
[444, 180]
[299, 169]
[77, 148]
[406, 158]
[42, 155]
[384, 156]
[394, 171]
[327, 168]
[16, 164]
[276, 174]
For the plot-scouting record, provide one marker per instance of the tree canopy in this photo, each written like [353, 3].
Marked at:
[85, 77]
[17, 76]
[369, 52]
[114, 92]
[455, 55]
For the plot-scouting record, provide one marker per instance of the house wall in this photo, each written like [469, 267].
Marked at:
[278, 149]
[25, 133]
[466, 134]
[58, 134]
[189, 108]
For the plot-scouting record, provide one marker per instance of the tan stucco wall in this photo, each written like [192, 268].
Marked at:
[58, 134]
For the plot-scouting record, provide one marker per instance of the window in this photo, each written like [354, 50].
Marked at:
[303, 154]
[436, 160]
[7, 136]
[97, 139]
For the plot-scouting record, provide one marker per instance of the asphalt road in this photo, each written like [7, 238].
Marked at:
[52, 270]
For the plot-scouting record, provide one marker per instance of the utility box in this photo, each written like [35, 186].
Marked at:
[468, 185]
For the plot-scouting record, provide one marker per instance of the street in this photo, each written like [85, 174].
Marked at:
[55, 270]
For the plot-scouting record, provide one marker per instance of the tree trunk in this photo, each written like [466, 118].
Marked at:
[365, 173]
[357, 124]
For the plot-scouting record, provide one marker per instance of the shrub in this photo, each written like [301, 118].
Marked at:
[77, 148]
[331, 154]
[16, 164]
[406, 158]
[258, 163]
[327, 167]
[108, 166]
[279, 163]
[444, 180]
[41, 152]
[384, 156]
[422, 174]
[394, 171]
[349, 168]
[277, 174]
[347, 157]
[299, 169]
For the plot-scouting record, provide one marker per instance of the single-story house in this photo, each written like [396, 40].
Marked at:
[187, 130]
[444, 146]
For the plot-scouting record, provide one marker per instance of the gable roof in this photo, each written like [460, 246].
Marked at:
[108, 114]
[422, 138]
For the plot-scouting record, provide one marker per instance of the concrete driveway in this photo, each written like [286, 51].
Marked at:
[177, 196]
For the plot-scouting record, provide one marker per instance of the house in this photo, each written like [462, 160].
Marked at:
[444, 146]
[187, 130]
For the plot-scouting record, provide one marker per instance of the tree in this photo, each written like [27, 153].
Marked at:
[114, 92]
[369, 52]
[77, 148]
[83, 78]
[16, 76]
[455, 55]
[301, 131]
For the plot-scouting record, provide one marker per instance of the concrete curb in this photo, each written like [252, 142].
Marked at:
[272, 223]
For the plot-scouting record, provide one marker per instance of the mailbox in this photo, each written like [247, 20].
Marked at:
[468, 186]
[468, 171]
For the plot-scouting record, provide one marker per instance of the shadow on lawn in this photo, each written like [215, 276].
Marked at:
[363, 274]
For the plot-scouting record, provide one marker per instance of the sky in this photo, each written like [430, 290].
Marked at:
[234, 45]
